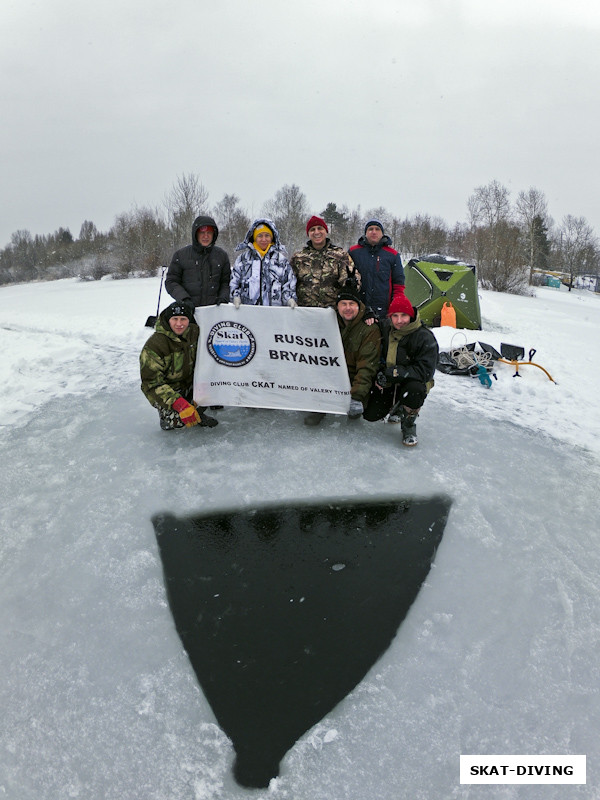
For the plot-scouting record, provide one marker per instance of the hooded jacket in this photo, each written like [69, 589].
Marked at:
[322, 273]
[266, 281]
[199, 274]
[167, 363]
[362, 345]
[381, 271]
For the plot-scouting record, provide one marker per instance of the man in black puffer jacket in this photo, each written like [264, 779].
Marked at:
[200, 272]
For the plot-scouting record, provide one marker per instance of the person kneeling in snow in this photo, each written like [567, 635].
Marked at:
[362, 344]
[167, 369]
[409, 356]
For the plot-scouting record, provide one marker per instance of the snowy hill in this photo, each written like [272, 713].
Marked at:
[498, 653]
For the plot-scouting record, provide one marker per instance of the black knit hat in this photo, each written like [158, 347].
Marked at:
[374, 222]
[179, 309]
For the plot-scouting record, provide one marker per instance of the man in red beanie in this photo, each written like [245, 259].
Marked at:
[409, 353]
[321, 268]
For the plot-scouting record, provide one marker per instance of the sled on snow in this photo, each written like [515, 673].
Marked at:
[467, 360]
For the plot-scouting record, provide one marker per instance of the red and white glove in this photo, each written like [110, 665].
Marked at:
[187, 413]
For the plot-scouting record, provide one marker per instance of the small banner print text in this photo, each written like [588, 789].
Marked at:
[522, 769]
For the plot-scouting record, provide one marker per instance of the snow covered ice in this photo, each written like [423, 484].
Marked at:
[499, 653]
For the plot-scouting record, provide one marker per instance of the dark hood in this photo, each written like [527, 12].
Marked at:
[198, 223]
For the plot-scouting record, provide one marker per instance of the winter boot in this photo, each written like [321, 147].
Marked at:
[205, 420]
[314, 418]
[409, 428]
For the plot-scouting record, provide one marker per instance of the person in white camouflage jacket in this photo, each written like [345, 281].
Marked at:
[262, 274]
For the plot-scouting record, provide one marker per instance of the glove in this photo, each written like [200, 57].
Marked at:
[351, 282]
[395, 374]
[381, 379]
[237, 301]
[369, 316]
[187, 413]
[356, 409]
[292, 303]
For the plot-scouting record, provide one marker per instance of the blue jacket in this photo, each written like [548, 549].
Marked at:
[381, 273]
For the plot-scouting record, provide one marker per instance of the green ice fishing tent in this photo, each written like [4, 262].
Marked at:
[435, 280]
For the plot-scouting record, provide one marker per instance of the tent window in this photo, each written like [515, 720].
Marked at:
[418, 297]
[443, 274]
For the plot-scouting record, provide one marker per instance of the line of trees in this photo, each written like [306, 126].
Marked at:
[508, 241]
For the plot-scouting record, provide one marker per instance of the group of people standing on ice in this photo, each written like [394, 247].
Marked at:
[391, 356]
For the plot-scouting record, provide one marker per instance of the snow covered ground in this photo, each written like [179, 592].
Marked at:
[499, 653]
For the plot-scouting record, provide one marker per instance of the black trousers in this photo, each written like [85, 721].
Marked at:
[409, 393]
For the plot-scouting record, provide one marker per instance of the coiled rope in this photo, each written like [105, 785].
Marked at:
[467, 358]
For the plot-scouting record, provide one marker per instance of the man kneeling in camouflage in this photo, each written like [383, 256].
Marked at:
[167, 369]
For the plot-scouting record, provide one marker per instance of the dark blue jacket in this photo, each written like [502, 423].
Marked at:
[381, 272]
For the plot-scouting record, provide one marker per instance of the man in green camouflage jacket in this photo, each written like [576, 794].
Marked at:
[362, 345]
[167, 365]
[321, 268]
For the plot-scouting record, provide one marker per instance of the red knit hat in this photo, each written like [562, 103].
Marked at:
[401, 305]
[313, 221]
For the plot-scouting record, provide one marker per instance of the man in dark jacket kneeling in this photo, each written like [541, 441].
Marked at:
[409, 355]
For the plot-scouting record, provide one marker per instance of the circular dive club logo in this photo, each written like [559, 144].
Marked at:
[231, 344]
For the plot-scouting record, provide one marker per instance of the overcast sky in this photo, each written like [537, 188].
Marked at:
[407, 104]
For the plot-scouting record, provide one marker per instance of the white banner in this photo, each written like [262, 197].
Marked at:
[271, 357]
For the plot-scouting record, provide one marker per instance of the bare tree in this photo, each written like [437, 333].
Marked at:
[489, 205]
[494, 239]
[25, 256]
[355, 226]
[187, 199]
[458, 239]
[141, 242]
[233, 222]
[578, 247]
[421, 235]
[532, 213]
